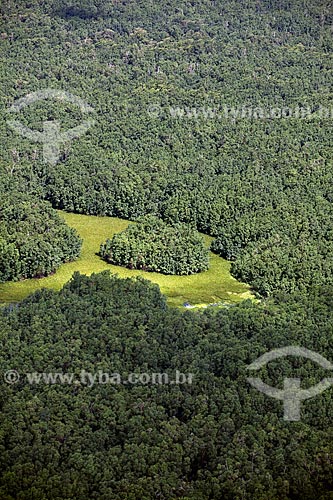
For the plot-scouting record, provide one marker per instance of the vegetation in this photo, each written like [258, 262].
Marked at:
[212, 286]
[34, 239]
[214, 438]
[168, 83]
[287, 250]
[217, 115]
[153, 245]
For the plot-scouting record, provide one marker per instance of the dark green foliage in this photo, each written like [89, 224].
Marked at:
[217, 438]
[263, 187]
[288, 265]
[10, 266]
[153, 245]
[83, 9]
[287, 249]
[34, 239]
[241, 179]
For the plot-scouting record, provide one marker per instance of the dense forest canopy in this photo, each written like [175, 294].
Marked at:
[247, 181]
[214, 438]
[187, 100]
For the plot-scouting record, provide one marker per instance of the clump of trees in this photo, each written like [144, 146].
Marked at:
[154, 245]
[34, 239]
[286, 249]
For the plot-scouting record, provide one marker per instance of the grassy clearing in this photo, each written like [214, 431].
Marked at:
[214, 285]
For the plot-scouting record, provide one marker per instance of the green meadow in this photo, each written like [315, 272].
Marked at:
[214, 285]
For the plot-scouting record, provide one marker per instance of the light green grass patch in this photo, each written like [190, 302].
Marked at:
[214, 285]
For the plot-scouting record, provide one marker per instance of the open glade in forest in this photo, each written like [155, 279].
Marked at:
[214, 116]
[213, 286]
